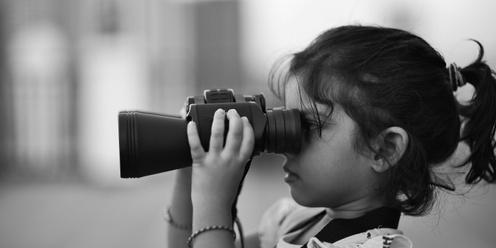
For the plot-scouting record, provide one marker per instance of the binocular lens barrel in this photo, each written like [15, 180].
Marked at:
[152, 143]
[283, 132]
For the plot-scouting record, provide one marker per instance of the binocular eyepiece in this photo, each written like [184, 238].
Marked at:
[151, 143]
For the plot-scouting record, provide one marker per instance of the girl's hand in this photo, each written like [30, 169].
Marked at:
[217, 173]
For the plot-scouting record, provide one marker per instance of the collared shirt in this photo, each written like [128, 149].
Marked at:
[285, 221]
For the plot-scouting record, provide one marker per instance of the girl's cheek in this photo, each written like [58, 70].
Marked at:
[307, 143]
[310, 136]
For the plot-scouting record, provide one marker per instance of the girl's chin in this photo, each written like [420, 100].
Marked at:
[301, 198]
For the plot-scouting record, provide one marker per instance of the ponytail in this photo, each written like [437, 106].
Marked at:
[480, 115]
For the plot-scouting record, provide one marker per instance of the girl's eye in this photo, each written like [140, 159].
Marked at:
[310, 126]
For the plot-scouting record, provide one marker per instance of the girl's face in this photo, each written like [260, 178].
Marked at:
[328, 172]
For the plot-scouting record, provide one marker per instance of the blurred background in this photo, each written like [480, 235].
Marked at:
[67, 67]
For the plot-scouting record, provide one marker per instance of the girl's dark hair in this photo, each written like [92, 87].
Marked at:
[384, 77]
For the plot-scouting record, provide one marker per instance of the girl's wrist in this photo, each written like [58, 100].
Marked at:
[211, 214]
[211, 202]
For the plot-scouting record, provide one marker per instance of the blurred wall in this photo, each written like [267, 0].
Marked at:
[38, 88]
[73, 65]
[4, 160]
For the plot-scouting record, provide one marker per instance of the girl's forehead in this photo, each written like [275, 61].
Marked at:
[296, 98]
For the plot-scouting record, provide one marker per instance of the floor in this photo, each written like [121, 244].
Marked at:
[76, 214]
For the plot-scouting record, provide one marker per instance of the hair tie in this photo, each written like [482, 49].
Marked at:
[455, 76]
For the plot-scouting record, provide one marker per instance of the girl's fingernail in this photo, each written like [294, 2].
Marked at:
[221, 111]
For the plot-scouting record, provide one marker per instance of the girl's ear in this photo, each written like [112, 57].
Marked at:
[390, 145]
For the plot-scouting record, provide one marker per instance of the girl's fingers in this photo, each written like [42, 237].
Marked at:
[197, 152]
[246, 148]
[217, 133]
[239, 141]
[235, 134]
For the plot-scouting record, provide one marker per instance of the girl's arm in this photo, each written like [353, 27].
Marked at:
[180, 210]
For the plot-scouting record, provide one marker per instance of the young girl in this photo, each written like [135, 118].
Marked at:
[380, 116]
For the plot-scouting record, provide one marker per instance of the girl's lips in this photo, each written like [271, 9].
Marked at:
[290, 175]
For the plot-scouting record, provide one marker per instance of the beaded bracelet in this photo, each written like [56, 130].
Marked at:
[210, 228]
[168, 218]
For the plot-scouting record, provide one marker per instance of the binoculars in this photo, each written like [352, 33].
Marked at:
[151, 143]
